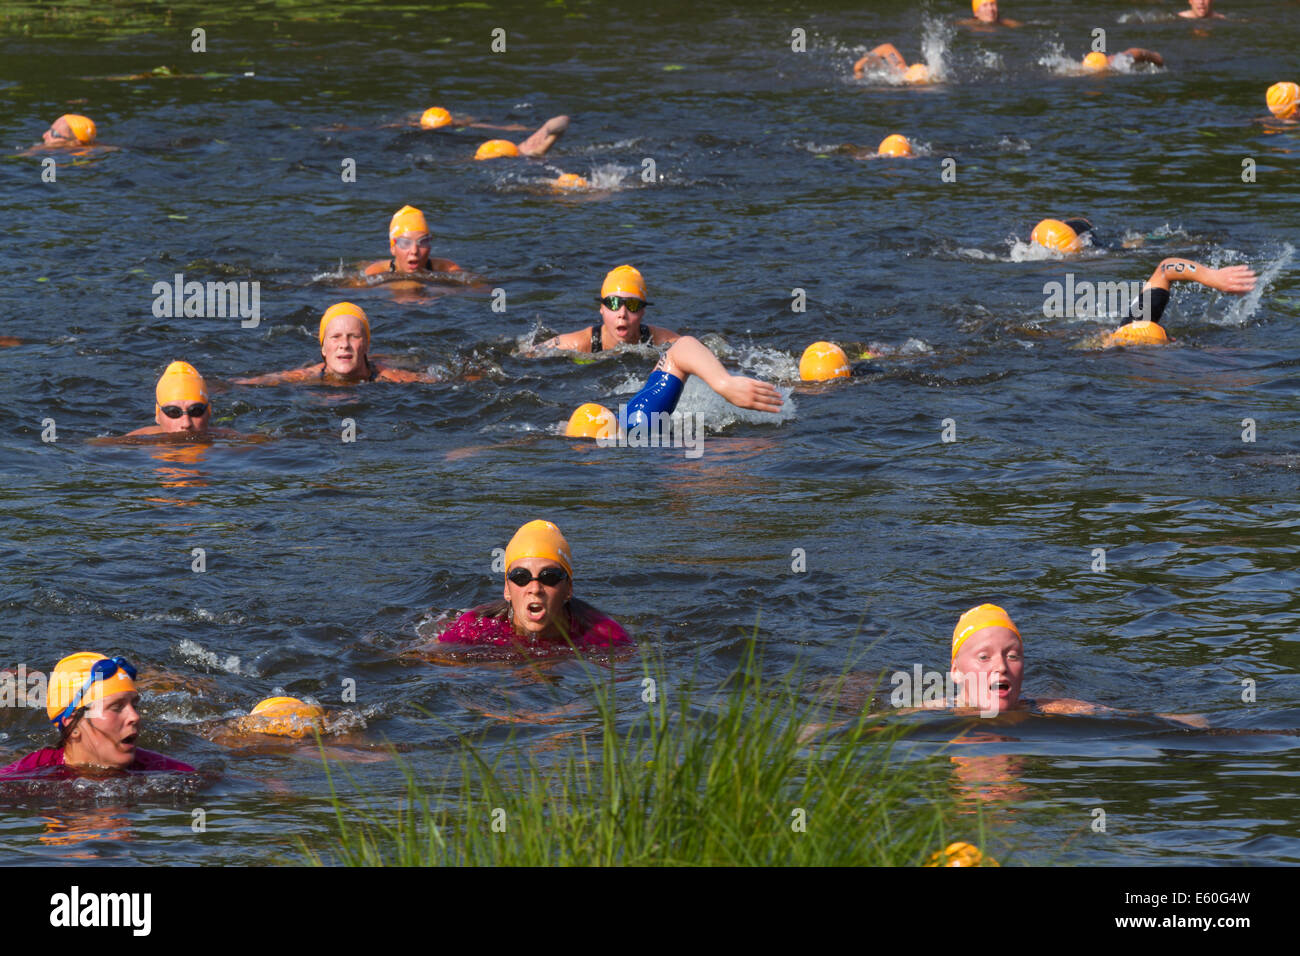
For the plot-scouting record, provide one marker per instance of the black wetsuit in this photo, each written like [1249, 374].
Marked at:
[645, 336]
[374, 371]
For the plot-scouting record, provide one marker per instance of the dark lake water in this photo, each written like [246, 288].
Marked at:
[327, 561]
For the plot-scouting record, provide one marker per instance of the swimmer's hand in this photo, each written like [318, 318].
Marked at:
[1237, 280]
[750, 393]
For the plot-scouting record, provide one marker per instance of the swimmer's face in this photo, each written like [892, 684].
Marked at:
[622, 324]
[411, 252]
[344, 348]
[59, 134]
[193, 424]
[106, 735]
[992, 665]
[538, 608]
[1202, 8]
[988, 12]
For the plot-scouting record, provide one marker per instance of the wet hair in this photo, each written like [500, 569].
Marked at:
[69, 725]
[581, 615]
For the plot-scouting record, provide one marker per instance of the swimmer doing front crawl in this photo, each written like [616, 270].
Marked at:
[622, 318]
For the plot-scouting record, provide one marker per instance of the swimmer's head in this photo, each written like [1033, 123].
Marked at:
[409, 239]
[1138, 333]
[1054, 234]
[434, 118]
[988, 657]
[495, 148]
[344, 338]
[539, 580]
[822, 361]
[986, 10]
[623, 281]
[894, 145]
[283, 717]
[539, 539]
[1283, 100]
[570, 181]
[1096, 62]
[592, 421]
[917, 73]
[69, 127]
[960, 854]
[71, 679]
[181, 400]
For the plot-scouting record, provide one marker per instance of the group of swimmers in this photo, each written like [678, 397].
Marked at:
[92, 700]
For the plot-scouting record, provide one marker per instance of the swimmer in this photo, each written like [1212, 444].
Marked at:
[1146, 310]
[622, 311]
[536, 145]
[93, 701]
[1096, 62]
[1064, 235]
[886, 59]
[538, 607]
[1201, 10]
[435, 117]
[181, 406]
[409, 244]
[684, 358]
[826, 361]
[344, 344]
[895, 145]
[69, 131]
[1283, 101]
[986, 15]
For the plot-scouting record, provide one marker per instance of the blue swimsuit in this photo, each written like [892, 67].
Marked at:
[660, 394]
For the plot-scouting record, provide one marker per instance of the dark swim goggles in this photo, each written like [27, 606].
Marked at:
[616, 302]
[101, 670]
[197, 410]
[550, 577]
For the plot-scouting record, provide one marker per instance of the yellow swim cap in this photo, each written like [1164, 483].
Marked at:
[83, 127]
[69, 676]
[1283, 99]
[1138, 333]
[894, 145]
[917, 73]
[494, 148]
[591, 421]
[623, 280]
[434, 117]
[570, 181]
[283, 717]
[1054, 234]
[338, 310]
[976, 4]
[976, 619]
[960, 854]
[539, 539]
[1096, 61]
[822, 361]
[180, 383]
[407, 221]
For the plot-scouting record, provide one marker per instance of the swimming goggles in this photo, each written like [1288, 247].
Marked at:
[615, 302]
[407, 243]
[194, 411]
[550, 577]
[102, 669]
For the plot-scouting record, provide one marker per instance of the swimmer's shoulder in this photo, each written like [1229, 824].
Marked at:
[146, 761]
[376, 268]
[579, 341]
[147, 430]
[662, 336]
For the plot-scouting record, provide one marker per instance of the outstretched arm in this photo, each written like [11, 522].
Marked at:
[281, 378]
[1140, 55]
[883, 57]
[1236, 280]
[688, 356]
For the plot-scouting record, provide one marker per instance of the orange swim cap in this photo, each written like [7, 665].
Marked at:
[407, 221]
[570, 181]
[960, 854]
[83, 127]
[623, 280]
[591, 421]
[822, 361]
[894, 145]
[917, 73]
[1096, 61]
[434, 117]
[539, 539]
[283, 717]
[180, 383]
[494, 148]
[1054, 234]
[1138, 333]
[337, 311]
[1283, 99]
[976, 619]
[69, 676]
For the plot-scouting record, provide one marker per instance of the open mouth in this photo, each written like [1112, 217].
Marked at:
[536, 611]
[129, 740]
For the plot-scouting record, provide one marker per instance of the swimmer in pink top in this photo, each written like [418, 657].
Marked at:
[538, 608]
[93, 702]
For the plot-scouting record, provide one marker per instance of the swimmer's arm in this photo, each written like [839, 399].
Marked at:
[688, 356]
[375, 268]
[659, 336]
[1236, 280]
[147, 430]
[884, 56]
[1140, 55]
[579, 341]
[443, 265]
[291, 377]
[387, 374]
[512, 127]
[1065, 705]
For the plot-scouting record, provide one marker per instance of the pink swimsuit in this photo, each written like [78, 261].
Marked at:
[145, 761]
[470, 628]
